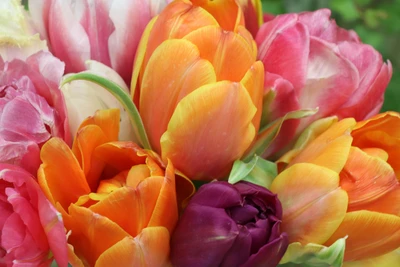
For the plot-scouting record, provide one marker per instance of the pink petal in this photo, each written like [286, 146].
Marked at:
[129, 18]
[284, 47]
[39, 11]
[68, 39]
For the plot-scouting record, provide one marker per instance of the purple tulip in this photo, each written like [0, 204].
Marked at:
[230, 225]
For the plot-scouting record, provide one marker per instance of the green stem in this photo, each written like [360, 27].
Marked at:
[122, 97]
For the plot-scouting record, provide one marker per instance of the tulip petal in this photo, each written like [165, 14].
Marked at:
[306, 218]
[150, 248]
[253, 81]
[366, 179]
[327, 71]
[68, 38]
[224, 49]
[390, 259]
[187, 72]
[107, 120]
[60, 176]
[100, 233]
[330, 149]
[370, 234]
[123, 42]
[215, 121]
[381, 131]
[284, 47]
[176, 21]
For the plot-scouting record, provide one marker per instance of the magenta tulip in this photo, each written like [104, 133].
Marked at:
[32, 108]
[230, 225]
[31, 230]
[310, 62]
[107, 31]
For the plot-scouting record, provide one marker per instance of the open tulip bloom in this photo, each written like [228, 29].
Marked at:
[193, 133]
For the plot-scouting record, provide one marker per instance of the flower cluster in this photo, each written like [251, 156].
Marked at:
[193, 133]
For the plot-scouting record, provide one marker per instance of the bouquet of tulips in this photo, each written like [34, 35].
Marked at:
[193, 133]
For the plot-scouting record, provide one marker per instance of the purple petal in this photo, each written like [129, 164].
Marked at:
[218, 195]
[240, 250]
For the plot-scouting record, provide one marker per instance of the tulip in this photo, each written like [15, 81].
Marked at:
[107, 31]
[32, 232]
[310, 62]
[341, 183]
[84, 98]
[17, 39]
[32, 108]
[230, 225]
[203, 58]
[118, 200]
[253, 15]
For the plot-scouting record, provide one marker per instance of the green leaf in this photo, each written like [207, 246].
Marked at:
[269, 132]
[257, 171]
[314, 255]
[122, 97]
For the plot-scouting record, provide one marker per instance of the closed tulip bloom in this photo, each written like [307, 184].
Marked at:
[32, 108]
[31, 229]
[107, 31]
[310, 62]
[344, 182]
[198, 86]
[230, 225]
[117, 200]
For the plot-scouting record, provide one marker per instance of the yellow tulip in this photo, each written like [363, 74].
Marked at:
[343, 182]
[198, 86]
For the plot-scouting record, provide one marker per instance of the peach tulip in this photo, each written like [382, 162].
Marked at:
[198, 86]
[343, 182]
[117, 200]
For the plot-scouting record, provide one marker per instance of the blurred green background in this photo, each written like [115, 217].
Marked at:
[377, 22]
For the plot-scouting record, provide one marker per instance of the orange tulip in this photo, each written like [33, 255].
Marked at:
[343, 182]
[118, 203]
[198, 86]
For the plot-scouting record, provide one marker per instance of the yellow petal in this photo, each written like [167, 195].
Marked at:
[150, 248]
[177, 68]
[229, 53]
[215, 122]
[253, 81]
[370, 234]
[313, 203]
[392, 259]
[60, 175]
[331, 148]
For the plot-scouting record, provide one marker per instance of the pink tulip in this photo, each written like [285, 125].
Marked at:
[107, 31]
[310, 62]
[32, 108]
[31, 230]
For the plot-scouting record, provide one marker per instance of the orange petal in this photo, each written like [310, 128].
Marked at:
[331, 148]
[313, 203]
[91, 233]
[150, 248]
[177, 68]
[226, 12]
[215, 121]
[376, 152]
[366, 179]
[137, 174]
[107, 186]
[60, 175]
[86, 141]
[381, 131]
[370, 234]
[73, 259]
[253, 81]
[107, 120]
[120, 156]
[177, 19]
[229, 53]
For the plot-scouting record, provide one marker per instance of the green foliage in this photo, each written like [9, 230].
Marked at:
[377, 22]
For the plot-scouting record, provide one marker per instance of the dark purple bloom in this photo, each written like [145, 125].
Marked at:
[230, 225]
